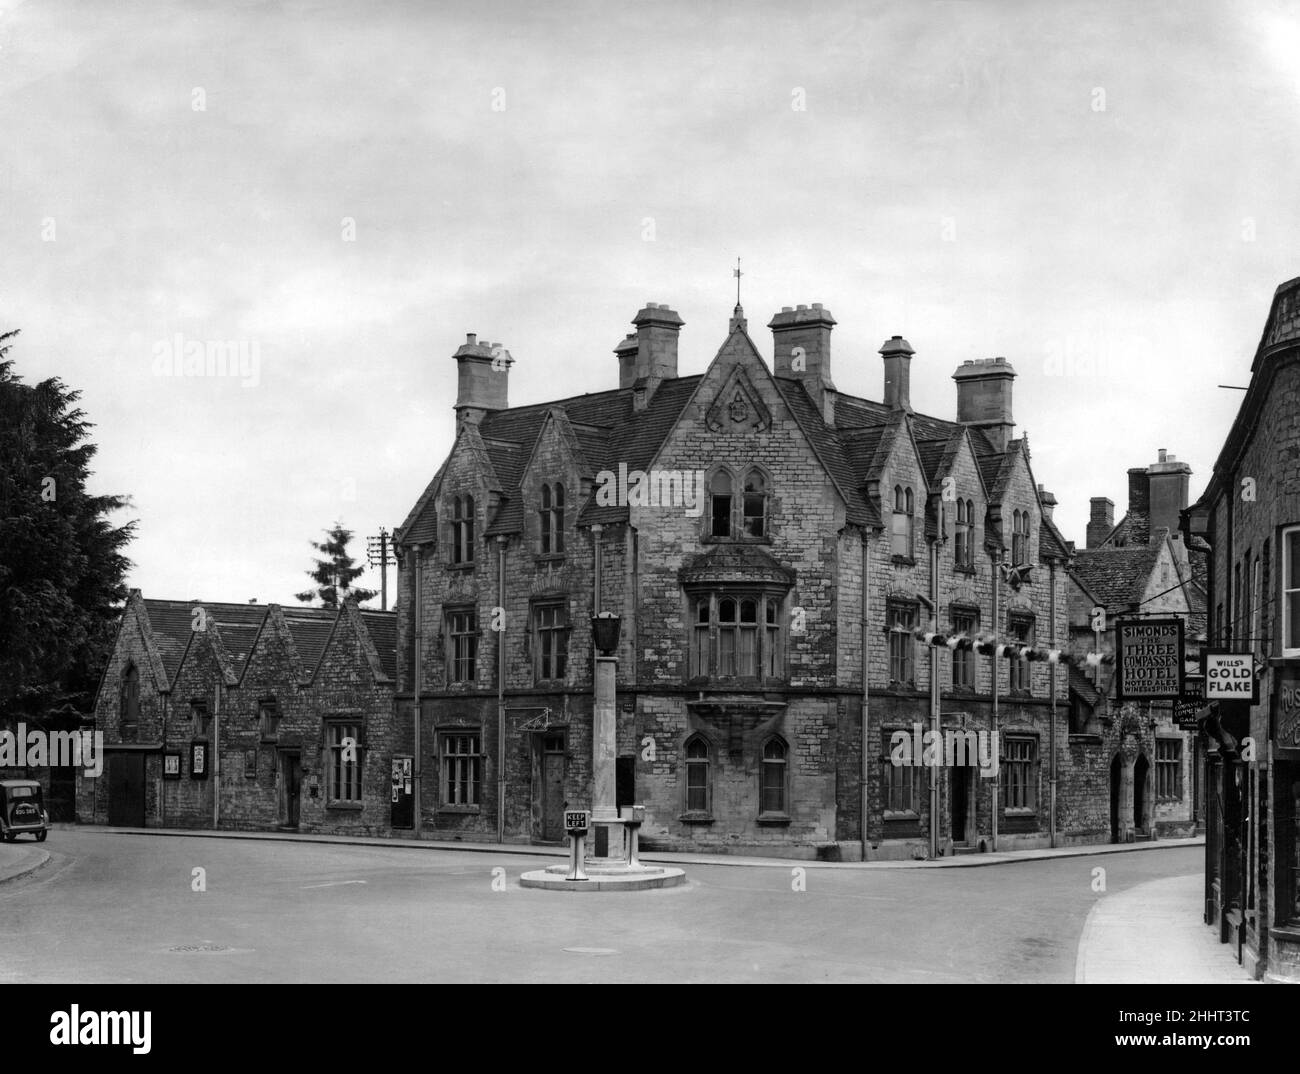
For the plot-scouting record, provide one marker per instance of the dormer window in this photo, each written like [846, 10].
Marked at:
[462, 529]
[903, 522]
[552, 519]
[720, 504]
[755, 505]
[1019, 538]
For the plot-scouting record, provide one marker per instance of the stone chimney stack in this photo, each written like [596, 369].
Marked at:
[801, 350]
[897, 353]
[1101, 520]
[1047, 501]
[984, 397]
[648, 357]
[482, 377]
[1167, 481]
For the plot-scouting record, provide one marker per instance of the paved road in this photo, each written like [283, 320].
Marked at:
[120, 908]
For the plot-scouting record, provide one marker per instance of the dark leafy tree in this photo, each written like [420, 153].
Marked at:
[62, 568]
[335, 572]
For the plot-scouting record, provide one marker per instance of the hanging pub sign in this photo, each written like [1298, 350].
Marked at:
[1286, 711]
[1192, 701]
[1149, 659]
[1230, 677]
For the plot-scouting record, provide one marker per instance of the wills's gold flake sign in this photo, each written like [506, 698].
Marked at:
[1230, 677]
[1149, 660]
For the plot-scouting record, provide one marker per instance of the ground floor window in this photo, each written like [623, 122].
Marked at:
[772, 778]
[462, 768]
[1169, 769]
[698, 776]
[902, 788]
[1019, 785]
[344, 748]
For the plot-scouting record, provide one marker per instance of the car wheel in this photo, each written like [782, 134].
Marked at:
[40, 836]
[10, 836]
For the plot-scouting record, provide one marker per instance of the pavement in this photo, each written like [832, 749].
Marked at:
[1147, 929]
[20, 858]
[1153, 934]
[962, 861]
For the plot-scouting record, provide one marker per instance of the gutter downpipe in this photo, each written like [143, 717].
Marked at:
[866, 664]
[216, 753]
[993, 660]
[1051, 687]
[501, 688]
[417, 774]
[935, 729]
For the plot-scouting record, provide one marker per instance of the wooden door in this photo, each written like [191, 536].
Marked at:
[126, 790]
[553, 788]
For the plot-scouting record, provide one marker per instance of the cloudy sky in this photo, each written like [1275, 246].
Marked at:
[1103, 194]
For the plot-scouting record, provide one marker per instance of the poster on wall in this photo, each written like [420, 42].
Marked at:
[1149, 659]
[198, 760]
[172, 764]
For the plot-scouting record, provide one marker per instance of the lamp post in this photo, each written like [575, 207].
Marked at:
[604, 812]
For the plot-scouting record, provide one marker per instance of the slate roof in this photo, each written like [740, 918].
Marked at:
[238, 626]
[172, 623]
[382, 627]
[609, 432]
[1116, 576]
[1081, 683]
[310, 630]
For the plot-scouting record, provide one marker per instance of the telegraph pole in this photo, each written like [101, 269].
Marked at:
[379, 552]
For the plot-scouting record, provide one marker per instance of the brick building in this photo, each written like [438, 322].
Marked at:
[1250, 517]
[1135, 773]
[239, 716]
[772, 546]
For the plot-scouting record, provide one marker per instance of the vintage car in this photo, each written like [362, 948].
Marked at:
[22, 809]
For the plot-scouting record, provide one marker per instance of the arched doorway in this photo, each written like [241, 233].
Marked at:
[1116, 775]
[1140, 769]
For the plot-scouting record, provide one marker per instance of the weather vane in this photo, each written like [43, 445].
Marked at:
[737, 273]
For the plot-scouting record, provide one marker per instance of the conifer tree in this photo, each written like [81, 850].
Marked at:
[335, 573]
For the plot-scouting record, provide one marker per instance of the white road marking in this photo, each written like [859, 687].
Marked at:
[333, 884]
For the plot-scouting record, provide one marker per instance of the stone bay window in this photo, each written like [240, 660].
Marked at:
[735, 635]
[735, 597]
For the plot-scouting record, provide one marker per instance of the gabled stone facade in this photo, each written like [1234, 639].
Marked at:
[244, 700]
[744, 720]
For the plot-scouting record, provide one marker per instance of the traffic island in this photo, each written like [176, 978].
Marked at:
[608, 873]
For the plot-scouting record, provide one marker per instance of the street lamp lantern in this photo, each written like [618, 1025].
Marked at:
[605, 629]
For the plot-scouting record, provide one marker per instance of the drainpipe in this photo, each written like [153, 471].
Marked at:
[1051, 687]
[935, 729]
[596, 531]
[216, 754]
[997, 744]
[866, 665]
[416, 775]
[501, 696]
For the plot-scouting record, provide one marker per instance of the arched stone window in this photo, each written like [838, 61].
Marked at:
[773, 773]
[903, 522]
[699, 775]
[755, 504]
[129, 699]
[462, 529]
[720, 504]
